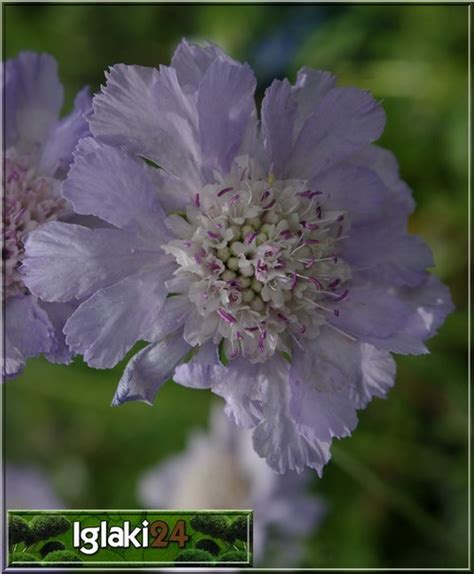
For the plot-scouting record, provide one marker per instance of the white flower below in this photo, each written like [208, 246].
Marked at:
[221, 471]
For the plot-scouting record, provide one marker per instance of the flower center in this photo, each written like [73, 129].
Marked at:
[261, 257]
[30, 200]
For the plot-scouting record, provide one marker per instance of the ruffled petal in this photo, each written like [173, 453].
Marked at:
[396, 320]
[357, 190]
[277, 438]
[385, 165]
[198, 373]
[146, 112]
[343, 121]
[278, 124]
[65, 261]
[106, 326]
[383, 252]
[34, 96]
[149, 369]
[107, 182]
[58, 314]
[320, 380]
[225, 102]
[191, 62]
[14, 361]
[28, 330]
[311, 86]
[56, 154]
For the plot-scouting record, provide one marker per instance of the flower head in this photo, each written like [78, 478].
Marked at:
[219, 470]
[38, 151]
[271, 254]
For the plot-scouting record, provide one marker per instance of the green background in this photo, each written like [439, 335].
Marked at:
[396, 490]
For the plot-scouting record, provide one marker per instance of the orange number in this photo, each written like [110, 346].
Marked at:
[178, 534]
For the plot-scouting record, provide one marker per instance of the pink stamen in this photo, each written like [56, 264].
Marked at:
[225, 316]
[225, 190]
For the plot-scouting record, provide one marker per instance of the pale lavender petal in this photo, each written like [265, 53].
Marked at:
[146, 112]
[58, 314]
[14, 361]
[198, 373]
[66, 261]
[320, 380]
[378, 375]
[34, 98]
[106, 326]
[224, 104]
[191, 62]
[107, 182]
[240, 384]
[357, 190]
[372, 313]
[278, 124]
[396, 320]
[277, 438]
[311, 86]
[385, 164]
[344, 121]
[382, 251]
[56, 153]
[149, 369]
[171, 317]
[28, 330]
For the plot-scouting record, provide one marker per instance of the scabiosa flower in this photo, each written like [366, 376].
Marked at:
[271, 254]
[219, 470]
[37, 154]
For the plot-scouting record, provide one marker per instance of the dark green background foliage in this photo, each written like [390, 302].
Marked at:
[397, 490]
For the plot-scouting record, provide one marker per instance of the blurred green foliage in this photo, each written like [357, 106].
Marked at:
[396, 490]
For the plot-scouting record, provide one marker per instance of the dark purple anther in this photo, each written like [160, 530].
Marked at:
[308, 194]
[269, 205]
[342, 296]
[225, 190]
[311, 241]
[294, 279]
[336, 312]
[286, 234]
[309, 262]
[316, 282]
[226, 316]
[264, 195]
[197, 200]
[234, 199]
[282, 317]
[311, 226]
[334, 283]
[250, 237]
[213, 235]
[318, 212]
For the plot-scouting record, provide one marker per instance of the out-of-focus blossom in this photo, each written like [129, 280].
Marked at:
[29, 487]
[38, 149]
[273, 253]
[219, 470]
